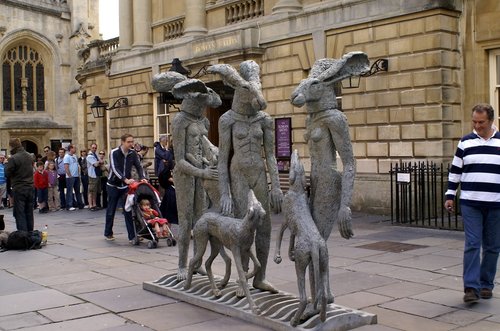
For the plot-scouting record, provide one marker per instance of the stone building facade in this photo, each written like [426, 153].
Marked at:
[40, 51]
[443, 57]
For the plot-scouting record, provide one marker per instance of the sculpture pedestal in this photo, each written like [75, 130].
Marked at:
[276, 309]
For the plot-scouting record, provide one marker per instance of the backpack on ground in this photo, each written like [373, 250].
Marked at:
[24, 240]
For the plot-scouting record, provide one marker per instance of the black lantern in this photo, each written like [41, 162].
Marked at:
[377, 66]
[98, 107]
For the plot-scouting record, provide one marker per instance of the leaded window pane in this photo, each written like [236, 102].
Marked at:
[18, 94]
[40, 88]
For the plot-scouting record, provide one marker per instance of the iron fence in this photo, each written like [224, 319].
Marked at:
[417, 196]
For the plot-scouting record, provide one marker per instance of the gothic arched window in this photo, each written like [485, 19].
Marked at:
[23, 80]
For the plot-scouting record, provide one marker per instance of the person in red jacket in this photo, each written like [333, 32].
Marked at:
[41, 182]
[152, 217]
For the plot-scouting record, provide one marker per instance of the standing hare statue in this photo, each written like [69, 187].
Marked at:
[246, 157]
[190, 128]
[327, 133]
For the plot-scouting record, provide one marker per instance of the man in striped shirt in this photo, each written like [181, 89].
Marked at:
[476, 167]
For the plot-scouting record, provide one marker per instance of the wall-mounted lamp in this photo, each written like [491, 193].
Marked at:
[98, 107]
[177, 67]
[377, 66]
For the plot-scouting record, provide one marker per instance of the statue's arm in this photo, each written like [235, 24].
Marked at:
[339, 130]
[182, 164]
[225, 142]
[272, 167]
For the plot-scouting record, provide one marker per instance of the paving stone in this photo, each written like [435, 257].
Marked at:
[12, 284]
[445, 297]
[449, 282]
[136, 274]
[351, 252]
[413, 275]
[491, 306]
[458, 253]
[171, 316]
[339, 262]
[360, 300]
[69, 252]
[94, 323]
[17, 321]
[111, 262]
[386, 257]
[54, 267]
[130, 327]
[72, 312]
[402, 289]
[125, 299]
[222, 324]
[350, 282]
[417, 307]
[429, 262]
[407, 322]
[456, 271]
[462, 317]
[34, 300]
[376, 327]
[104, 283]
[373, 268]
[70, 278]
[17, 259]
[480, 326]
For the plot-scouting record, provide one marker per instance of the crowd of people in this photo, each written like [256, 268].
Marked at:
[66, 181]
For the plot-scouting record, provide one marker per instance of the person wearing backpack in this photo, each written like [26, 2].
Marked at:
[19, 170]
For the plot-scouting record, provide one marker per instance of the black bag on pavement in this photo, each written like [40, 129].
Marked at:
[23, 240]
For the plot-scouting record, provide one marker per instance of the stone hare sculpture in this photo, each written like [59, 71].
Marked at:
[309, 250]
[245, 131]
[235, 234]
[190, 127]
[327, 133]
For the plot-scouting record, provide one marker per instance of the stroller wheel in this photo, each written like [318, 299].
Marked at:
[136, 241]
[152, 244]
[169, 242]
[174, 242]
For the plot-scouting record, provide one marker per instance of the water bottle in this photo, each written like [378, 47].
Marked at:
[45, 234]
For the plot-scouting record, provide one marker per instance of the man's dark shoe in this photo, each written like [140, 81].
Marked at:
[470, 295]
[486, 293]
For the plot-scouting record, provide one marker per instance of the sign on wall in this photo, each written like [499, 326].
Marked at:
[283, 142]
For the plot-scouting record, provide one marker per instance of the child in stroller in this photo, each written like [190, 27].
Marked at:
[143, 192]
[152, 217]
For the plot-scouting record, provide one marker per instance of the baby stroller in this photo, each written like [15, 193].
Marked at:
[138, 191]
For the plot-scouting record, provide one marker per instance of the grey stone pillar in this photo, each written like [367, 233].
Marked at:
[195, 21]
[125, 24]
[142, 24]
[287, 6]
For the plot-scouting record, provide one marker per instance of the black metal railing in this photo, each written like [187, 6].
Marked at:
[417, 196]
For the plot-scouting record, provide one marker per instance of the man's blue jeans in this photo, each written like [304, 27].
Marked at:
[115, 195]
[482, 229]
[73, 183]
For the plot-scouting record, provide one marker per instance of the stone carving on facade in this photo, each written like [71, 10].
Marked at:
[189, 128]
[307, 246]
[3, 29]
[235, 234]
[327, 134]
[247, 131]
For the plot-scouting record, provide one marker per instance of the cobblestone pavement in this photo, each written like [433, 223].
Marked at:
[409, 277]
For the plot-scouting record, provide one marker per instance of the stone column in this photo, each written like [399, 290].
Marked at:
[125, 20]
[195, 21]
[287, 6]
[142, 24]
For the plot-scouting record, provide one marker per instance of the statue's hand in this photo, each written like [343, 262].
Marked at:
[276, 200]
[277, 259]
[226, 204]
[211, 173]
[345, 226]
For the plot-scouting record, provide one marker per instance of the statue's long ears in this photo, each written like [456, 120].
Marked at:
[230, 76]
[189, 88]
[332, 70]
[165, 81]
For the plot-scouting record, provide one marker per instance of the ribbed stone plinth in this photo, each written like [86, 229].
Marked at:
[276, 309]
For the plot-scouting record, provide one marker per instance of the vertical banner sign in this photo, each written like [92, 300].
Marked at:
[283, 141]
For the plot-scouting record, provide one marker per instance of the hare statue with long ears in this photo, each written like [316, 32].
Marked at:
[190, 126]
[243, 131]
[327, 133]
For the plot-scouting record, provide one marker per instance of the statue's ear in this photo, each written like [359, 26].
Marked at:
[230, 76]
[351, 64]
[188, 87]
[165, 81]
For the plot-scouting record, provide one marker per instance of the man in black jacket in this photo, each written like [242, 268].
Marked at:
[19, 170]
[121, 161]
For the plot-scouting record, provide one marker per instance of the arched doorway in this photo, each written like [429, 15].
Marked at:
[226, 94]
[30, 146]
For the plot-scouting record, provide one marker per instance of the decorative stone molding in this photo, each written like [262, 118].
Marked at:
[173, 29]
[240, 11]
[3, 29]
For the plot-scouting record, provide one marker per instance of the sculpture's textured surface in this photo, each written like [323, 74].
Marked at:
[235, 234]
[245, 130]
[189, 129]
[310, 249]
[327, 134]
